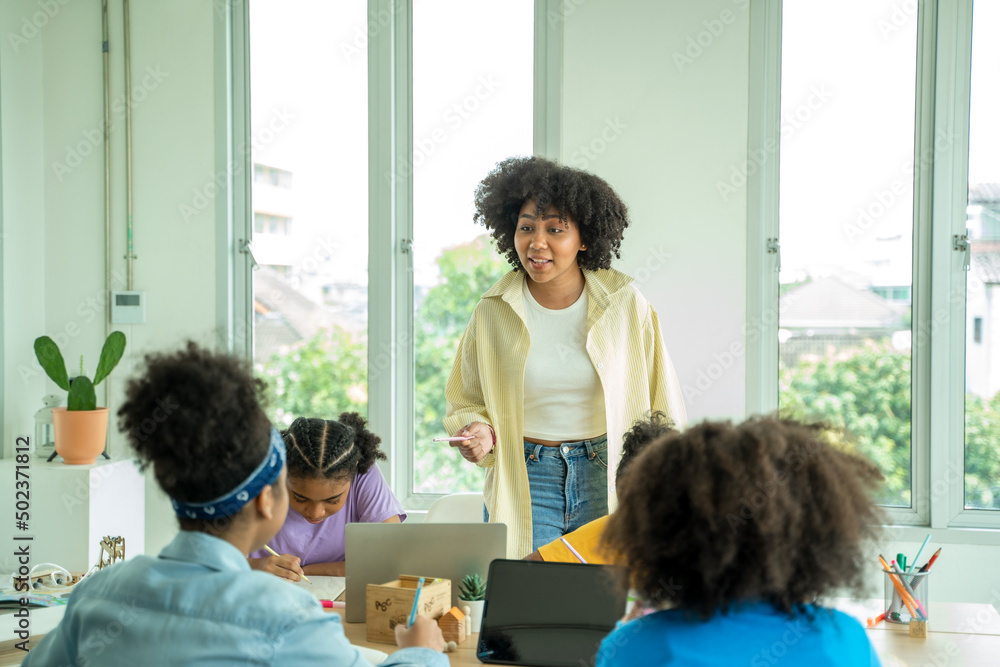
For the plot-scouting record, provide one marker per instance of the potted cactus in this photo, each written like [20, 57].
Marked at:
[81, 428]
[472, 591]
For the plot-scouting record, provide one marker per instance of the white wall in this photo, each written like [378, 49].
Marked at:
[662, 134]
[53, 196]
[24, 260]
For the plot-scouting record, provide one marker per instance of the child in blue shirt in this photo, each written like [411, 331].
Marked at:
[733, 533]
[198, 603]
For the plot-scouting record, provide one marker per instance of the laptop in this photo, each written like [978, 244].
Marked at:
[548, 614]
[380, 552]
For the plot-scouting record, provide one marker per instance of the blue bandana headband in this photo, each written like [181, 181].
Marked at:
[231, 503]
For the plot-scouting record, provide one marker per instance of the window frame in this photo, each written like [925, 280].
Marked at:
[390, 218]
[943, 83]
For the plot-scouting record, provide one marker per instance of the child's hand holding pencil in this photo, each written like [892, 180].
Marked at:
[419, 630]
[424, 632]
[285, 566]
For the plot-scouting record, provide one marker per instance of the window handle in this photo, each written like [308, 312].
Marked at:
[773, 247]
[960, 243]
[247, 249]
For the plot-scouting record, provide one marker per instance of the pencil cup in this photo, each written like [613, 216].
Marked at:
[906, 596]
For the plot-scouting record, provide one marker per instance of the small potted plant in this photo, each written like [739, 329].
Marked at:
[472, 591]
[81, 428]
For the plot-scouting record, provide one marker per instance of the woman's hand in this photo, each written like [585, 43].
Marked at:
[424, 633]
[478, 445]
[285, 566]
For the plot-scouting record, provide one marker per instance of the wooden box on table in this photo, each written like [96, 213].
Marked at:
[388, 605]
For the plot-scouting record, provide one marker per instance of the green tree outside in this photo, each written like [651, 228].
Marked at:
[322, 377]
[467, 271]
[868, 395]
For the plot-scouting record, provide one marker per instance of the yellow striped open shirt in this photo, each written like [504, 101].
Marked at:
[487, 383]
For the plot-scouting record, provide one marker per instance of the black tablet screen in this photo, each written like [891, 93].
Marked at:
[548, 614]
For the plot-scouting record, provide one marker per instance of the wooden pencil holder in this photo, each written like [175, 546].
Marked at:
[388, 605]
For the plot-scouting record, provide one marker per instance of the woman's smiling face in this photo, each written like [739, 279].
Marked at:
[547, 244]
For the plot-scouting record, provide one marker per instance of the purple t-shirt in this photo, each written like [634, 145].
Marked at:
[369, 500]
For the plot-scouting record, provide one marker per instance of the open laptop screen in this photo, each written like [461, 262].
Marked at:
[548, 614]
[380, 552]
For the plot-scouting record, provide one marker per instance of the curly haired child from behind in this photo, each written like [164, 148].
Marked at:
[734, 532]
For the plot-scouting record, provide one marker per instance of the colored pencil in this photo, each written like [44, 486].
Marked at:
[275, 553]
[416, 602]
[928, 564]
[920, 552]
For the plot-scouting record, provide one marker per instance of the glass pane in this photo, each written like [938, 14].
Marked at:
[309, 141]
[982, 373]
[472, 107]
[846, 225]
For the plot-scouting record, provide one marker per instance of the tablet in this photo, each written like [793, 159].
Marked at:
[548, 614]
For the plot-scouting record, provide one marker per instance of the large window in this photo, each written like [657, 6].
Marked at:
[463, 124]
[846, 226]
[309, 149]
[982, 340]
[371, 124]
[886, 229]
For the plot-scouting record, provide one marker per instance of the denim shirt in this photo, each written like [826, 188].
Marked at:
[199, 603]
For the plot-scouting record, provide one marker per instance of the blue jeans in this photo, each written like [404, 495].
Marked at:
[569, 486]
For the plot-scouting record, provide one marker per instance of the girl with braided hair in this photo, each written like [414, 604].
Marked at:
[332, 481]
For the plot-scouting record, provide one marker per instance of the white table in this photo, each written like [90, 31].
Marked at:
[958, 633]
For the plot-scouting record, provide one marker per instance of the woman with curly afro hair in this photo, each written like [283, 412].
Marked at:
[562, 355]
[332, 481]
[223, 466]
[758, 522]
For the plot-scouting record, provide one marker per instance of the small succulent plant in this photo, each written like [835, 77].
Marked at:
[81, 390]
[472, 588]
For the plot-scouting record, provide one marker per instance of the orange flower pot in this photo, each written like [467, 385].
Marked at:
[80, 434]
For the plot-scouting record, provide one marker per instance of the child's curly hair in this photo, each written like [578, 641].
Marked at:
[597, 210]
[640, 436]
[325, 449]
[765, 510]
[196, 417]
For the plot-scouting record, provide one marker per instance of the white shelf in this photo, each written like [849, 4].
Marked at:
[72, 508]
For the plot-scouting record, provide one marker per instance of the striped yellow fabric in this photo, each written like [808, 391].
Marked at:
[487, 383]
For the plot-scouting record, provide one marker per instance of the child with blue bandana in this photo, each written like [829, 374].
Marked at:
[198, 603]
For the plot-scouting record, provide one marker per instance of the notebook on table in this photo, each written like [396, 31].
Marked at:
[548, 614]
[322, 587]
[379, 552]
